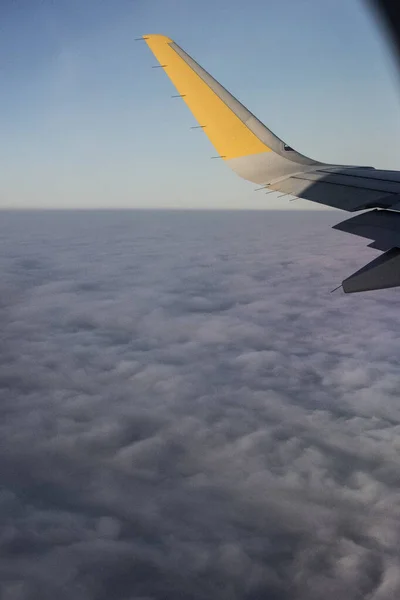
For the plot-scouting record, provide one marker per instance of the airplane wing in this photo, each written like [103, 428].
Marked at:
[255, 153]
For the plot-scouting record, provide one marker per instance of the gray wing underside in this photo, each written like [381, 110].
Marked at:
[356, 189]
[346, 188]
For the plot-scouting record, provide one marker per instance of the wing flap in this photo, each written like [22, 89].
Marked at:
[382, 273]
[382, 226]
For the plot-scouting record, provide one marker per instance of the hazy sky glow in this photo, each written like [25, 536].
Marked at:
[86, 122]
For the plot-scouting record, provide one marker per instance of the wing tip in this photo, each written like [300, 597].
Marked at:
[152, 37]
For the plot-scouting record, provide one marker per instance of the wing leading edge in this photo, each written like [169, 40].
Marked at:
[255, 153]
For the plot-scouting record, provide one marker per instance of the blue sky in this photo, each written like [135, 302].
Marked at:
[85, 121]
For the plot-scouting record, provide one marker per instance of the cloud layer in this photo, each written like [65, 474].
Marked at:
[186, 411]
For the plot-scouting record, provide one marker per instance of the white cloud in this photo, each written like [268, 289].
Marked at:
[186, 410]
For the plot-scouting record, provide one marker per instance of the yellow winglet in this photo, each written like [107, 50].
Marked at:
[226, 130]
